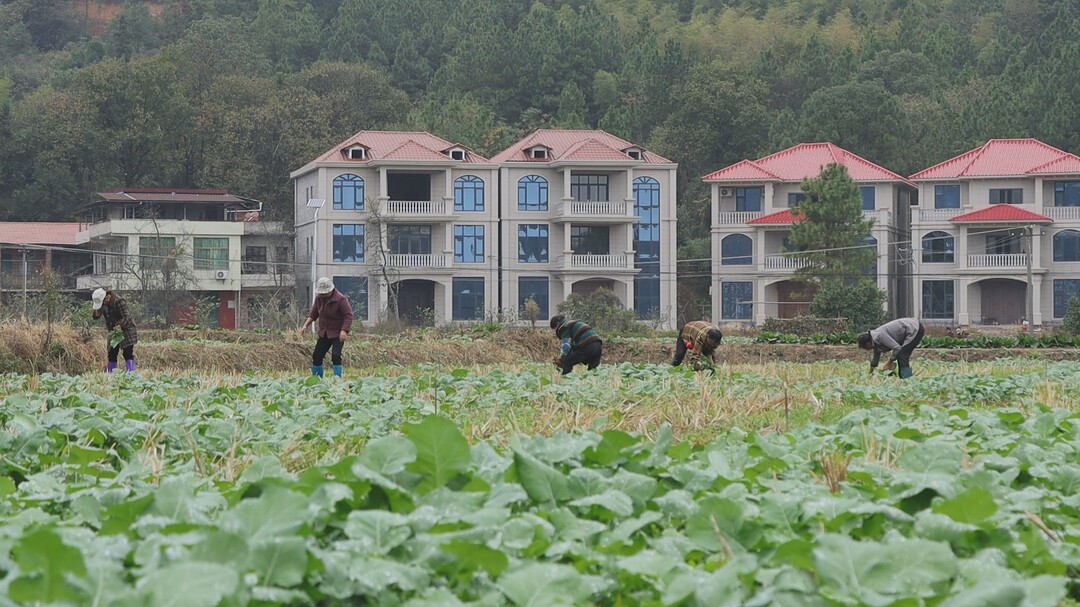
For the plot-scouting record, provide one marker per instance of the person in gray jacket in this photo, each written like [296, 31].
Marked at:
[899, 337]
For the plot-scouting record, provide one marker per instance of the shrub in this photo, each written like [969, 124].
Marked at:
[603, 311]
[861, 302]
[1071, 323]
[804, 325]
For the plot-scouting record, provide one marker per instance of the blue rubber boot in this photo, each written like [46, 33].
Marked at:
[337, 370]
[316, 370]
[110, 367]
[905, 372]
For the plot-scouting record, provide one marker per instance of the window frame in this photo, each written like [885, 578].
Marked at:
[941, 201]
[477, 298]
[741, 199]
[469, 193]
[1059, 254]
[343, 183]
[589, 182]
[545, 309]
[358, 303]
[1064, 190]
[464, 234]
[736, 258]
[543, 234]
[526, 187]
[210, 252]
[947, 246]
[730, 309]
[255, 264]
[585, 243]
[947, 297]
[358, 234]
[1062, 295]
[1006, 195]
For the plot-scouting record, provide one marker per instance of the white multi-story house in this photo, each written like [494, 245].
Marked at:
[982, 219]
[752, 278]
[207, 242]
[387, 212]
[582, 210]
[459, 236]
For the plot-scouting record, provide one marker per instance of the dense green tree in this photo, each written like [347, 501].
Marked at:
[832, 229]
[862, 117]
[571, 112]
[132, 32]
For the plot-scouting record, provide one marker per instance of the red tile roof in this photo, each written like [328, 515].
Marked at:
[1004, 158]
[38, 232]
[1002, 213]
[801, 161]
[399, 145]
[780, 217]
[582, 144]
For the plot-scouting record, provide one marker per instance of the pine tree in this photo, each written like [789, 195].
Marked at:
[833, 227]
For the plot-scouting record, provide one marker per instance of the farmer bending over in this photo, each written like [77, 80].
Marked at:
[580, 344]
[701, 338]
[899, 337]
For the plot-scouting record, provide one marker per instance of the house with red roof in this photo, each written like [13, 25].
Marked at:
[196, 243]
[582, 210]
[982, 219]
[752, 213]
[400, 213]
[458, 236]
[31, 251]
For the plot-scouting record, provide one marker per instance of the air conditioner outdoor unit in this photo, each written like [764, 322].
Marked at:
[221, 274]
[725, 192]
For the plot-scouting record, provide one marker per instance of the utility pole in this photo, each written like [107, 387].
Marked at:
[314, 203]
[1030, 283]
[24, 270]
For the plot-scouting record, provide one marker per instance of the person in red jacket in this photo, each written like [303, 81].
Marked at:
[331, 308]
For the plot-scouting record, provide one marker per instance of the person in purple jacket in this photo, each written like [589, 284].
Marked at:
[331, 308]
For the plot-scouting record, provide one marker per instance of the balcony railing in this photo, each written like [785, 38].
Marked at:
[1000, 260]
[1062, 212]
[785, 262]
[736, 217]
[594, 208]
[417, 260]
[416, 208]
[938, 214]
[594, 261]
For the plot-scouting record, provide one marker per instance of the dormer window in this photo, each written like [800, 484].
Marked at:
[634, 153]
[356, 153]
[538, 153]
[457, 154]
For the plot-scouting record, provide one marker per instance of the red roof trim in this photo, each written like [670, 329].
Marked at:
[1002, 212]
[163, 191]
[780, 217]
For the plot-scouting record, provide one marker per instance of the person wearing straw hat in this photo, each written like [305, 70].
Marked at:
[114, 309]
[331, 308]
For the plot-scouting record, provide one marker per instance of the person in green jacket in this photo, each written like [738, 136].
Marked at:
[579, 344]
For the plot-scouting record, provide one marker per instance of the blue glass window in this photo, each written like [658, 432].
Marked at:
[536, 289]
[937, 298]
[869, 197]
[1067, 245]
[349, 242]
[532, 243]
[732, 298]
[947, 197]
[647, 247]
[736, 250]
[468, 193]
[468, 299]
[348, 193]
[794, 199]
[1064, 290]
[468, 244]
[937, 247]
[1067, 193]
[748, 199]
[356, 289]
[589, 187]
[532, 193]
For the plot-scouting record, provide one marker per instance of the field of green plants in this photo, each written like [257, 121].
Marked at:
[759, 485]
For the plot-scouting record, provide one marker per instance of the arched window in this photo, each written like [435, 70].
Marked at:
[348, 192]
[1067, 245]
[532, 193]
[736, 250]
[937, 247]
[468, 193]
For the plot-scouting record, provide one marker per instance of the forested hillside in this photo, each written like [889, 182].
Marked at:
[236, 93]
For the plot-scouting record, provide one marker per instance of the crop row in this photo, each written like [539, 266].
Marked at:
[976, 341]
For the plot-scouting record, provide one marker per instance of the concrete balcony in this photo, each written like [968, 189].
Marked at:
[785, 262]
[595, 262]
[939, 214]
[1014, 261]
[408, 261]
[1062, 212]
[266, 280]
[728, 218]
[419, 209]
[881, 217]
[595, 211]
